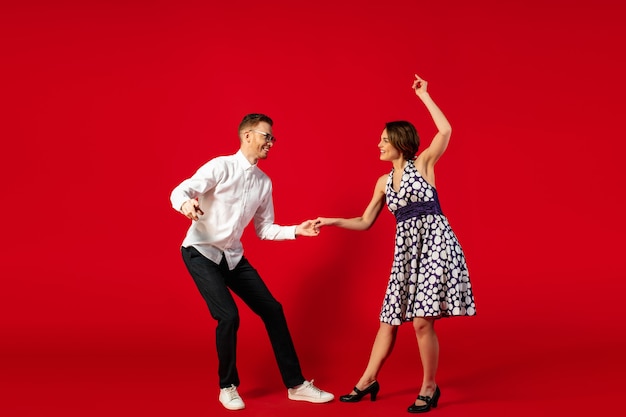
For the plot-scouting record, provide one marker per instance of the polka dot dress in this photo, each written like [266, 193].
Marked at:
[429, 276]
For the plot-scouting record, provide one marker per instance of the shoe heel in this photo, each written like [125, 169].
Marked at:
[374, 392]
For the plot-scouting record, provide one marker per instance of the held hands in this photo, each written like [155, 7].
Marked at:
[312, 227]
[420, 86]
[191, 209]
[307, 228]
[321, 222]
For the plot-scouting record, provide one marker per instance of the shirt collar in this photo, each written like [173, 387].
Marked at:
[243, 162]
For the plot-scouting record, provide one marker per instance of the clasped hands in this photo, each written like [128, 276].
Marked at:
[191, 209]
[311, 227]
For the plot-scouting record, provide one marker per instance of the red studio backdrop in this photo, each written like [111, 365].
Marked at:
[108, 105]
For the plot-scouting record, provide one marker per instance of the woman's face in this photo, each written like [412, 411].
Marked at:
[388, 152]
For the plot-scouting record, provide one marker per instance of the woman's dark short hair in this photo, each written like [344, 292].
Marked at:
[404, 138]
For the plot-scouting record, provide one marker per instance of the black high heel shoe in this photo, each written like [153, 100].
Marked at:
[430, 402]
[355, 398]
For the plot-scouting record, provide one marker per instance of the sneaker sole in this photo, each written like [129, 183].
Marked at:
[309, 399]
[233, 408]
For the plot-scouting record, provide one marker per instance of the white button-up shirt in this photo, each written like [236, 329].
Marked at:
[231, 192]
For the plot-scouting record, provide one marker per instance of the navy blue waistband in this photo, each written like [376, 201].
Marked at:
[417, 209]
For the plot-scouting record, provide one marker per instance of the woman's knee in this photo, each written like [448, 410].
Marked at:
[423, 325]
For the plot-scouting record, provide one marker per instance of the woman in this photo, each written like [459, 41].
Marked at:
[429, 277]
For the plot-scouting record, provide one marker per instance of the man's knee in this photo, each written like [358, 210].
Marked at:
[228, 320]
[273, 310]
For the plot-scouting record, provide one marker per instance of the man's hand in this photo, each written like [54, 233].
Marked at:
[307, 228]
[191, 209]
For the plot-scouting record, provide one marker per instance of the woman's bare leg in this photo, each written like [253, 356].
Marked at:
[428, 344]
[382, 348]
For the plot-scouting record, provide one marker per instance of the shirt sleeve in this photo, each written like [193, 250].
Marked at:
[203, 180]
[264, 223]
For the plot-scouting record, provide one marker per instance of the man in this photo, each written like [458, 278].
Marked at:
[221, 199]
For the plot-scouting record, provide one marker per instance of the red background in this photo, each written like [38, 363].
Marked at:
[107, 105]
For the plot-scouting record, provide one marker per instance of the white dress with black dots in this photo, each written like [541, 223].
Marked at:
[429, 276]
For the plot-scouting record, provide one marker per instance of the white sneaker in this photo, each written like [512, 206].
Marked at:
[309, 392]
[230, 399]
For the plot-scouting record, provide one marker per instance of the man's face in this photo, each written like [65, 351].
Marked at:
[259, 140]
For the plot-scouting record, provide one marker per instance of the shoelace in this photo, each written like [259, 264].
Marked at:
[313, 388]
[232, 392]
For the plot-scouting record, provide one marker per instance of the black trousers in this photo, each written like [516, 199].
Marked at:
[215, 283]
